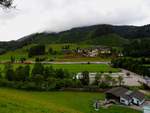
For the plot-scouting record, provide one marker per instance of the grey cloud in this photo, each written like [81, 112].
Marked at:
[57, 15]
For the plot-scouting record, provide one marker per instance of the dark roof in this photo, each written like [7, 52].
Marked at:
[138, 95]
[127, 97]
[118, 91]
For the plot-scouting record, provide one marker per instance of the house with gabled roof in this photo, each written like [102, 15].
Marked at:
[138, 98]
[125, 96]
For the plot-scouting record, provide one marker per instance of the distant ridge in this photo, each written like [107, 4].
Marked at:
[103, 34]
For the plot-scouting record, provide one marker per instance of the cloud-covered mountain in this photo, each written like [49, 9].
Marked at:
[108, 35]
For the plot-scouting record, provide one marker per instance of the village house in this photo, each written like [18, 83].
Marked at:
[125, 96]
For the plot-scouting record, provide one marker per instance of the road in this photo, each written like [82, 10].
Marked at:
[75, 62]
[132, 80]
[46, 62]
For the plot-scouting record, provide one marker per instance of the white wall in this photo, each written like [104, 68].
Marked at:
[137, 101]
[126, 102]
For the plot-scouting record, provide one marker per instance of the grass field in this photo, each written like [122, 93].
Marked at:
[15, 101]
[77, 67]
[86, 67]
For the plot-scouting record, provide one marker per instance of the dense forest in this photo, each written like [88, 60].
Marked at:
[136, 57]
[137, 48]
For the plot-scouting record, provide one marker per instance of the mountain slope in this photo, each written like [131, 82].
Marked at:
[108, 35]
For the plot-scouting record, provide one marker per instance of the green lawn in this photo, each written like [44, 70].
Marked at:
[15, 101]
[86, 67]
[77, 67]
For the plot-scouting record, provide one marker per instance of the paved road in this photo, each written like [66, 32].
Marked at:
[132, 80]
[75, 62]
[46, 62]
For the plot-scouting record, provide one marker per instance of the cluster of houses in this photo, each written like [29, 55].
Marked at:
[89, 52]
[94, 51]
[125, 96]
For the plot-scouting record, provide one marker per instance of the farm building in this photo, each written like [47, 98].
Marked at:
[125, 96]
[93, 75]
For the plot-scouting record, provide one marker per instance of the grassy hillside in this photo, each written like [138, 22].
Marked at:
[15, 101]
[23, 52]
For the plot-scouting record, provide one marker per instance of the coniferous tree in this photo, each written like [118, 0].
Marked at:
[9, 72]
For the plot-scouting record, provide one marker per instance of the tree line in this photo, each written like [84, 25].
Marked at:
[137, 48]
[133, 64]
[39, 77]
[46, 78]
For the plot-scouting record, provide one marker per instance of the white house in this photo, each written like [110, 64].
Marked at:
[125, 99]
[138, 98]
[125, 96]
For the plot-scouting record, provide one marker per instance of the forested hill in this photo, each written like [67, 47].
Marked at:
[98, 34]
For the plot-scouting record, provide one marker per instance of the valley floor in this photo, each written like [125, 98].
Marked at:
[16, 101]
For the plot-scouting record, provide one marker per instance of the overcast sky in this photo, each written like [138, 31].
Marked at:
[32, 16]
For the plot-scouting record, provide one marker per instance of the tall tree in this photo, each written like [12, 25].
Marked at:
[120, 80]
[38, 69]
[0, 73]
[49, 72]
[9, 72]
[26, 72]
[85, 78]
[22, 73]
[98, 78]
[60, 73]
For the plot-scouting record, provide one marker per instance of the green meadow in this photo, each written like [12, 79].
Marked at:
[75, 68]
[16, 101]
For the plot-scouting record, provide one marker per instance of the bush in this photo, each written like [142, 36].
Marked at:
[103, 85]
